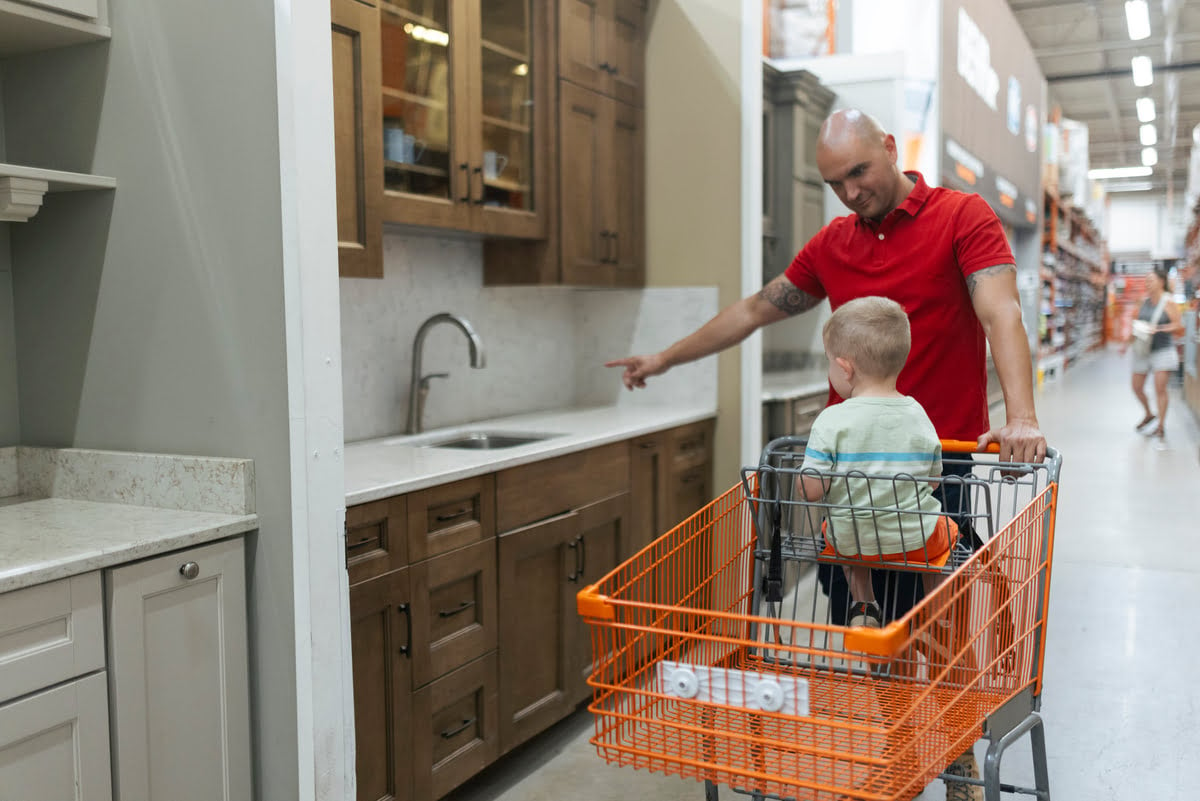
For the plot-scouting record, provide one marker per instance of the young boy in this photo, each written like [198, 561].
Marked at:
[884, 509]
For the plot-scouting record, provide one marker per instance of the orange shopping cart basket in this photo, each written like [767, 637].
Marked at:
[721, 650]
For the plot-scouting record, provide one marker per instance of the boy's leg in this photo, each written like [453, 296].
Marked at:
[859, 579]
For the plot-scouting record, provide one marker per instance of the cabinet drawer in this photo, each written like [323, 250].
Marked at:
[452, 516]
[455, 728]
[50, 633]
[54, 744]
[376, 539]
[691, 445]
[543, 489]
[454, 610]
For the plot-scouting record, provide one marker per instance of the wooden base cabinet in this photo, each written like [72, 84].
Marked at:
[455, 728]
[381, 650]
[545, 648]
[178, 676]
[538, 578]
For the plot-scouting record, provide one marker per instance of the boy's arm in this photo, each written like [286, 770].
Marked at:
[811, 487]
[818, 457]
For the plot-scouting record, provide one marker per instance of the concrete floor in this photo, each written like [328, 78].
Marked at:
[1121, 699]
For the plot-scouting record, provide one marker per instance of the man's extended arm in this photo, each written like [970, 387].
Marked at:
[998, 307]
[777, 300]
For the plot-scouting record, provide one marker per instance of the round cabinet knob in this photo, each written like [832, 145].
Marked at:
[189, 570]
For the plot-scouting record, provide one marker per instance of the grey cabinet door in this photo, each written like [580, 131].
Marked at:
[178, 676]
[54, 744]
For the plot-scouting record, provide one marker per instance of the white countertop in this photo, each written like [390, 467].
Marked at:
[381, 468]
[788, 384]
[54, 538]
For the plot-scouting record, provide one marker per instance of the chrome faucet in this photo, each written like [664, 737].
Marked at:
[419, 389]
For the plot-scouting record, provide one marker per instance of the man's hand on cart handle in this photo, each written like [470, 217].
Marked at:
[1019, 441]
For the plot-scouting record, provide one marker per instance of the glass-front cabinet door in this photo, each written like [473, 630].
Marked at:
[422, 47]
[462, 100]
[509, 187]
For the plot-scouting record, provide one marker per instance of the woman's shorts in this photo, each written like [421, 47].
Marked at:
[1159, 361]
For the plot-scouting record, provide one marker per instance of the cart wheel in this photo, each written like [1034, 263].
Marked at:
[711, 791]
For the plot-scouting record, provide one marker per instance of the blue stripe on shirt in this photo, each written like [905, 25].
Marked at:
[871, 456]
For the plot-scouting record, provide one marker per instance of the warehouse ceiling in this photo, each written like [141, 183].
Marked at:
[1085, 51]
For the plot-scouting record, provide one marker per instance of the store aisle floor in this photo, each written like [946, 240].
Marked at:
[1122, 689]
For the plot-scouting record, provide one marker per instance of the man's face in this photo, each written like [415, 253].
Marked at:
[862, 174]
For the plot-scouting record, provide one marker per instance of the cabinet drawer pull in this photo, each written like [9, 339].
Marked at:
[454, 515]
[648, 445]
[462, 607]
[615, 258]
[406, 610]
[466, 724]
[189, 570]
[576, 545]
[606, 67]
[690, 478]
[604, 235]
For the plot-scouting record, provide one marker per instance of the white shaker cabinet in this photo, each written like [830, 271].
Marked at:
[178, 676]
[54, 744]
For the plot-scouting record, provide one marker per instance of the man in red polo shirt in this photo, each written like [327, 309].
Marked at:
[939, 253]
[942, 255]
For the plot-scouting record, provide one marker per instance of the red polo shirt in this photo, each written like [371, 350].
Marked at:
[918, 255]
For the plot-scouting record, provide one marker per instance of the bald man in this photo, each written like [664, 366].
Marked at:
[943, 256]
[939, 253]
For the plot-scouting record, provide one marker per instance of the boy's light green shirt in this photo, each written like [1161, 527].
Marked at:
[889, 449]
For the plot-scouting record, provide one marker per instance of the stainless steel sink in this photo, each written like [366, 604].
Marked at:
[488, 440]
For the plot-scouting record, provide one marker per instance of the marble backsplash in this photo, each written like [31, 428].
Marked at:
[164, 481]
[545, 346]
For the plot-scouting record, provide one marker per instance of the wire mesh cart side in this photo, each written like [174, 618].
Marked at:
[719, 655]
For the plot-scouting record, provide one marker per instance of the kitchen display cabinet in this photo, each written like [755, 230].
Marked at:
[440, 107]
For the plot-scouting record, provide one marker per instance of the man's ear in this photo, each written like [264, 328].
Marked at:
[889, 144]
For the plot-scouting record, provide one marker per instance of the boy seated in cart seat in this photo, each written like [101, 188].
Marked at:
[882, 450]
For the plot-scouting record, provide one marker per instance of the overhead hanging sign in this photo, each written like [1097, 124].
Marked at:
[993, 101]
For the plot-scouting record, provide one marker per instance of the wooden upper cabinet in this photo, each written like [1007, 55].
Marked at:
[357, 138]
[627, 200]
[602, 194]
[601, 46]
[463, 91]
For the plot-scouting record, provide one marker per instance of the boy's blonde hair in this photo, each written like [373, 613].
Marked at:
[872, 332]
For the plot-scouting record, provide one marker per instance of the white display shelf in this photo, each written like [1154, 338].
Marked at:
[27, 29]
[22, 188]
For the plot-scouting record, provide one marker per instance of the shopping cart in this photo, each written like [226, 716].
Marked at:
[718, 655]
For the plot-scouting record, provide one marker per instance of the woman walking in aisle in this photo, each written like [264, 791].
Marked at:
[1158, 321]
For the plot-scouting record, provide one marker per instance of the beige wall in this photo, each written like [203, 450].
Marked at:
[694, 174]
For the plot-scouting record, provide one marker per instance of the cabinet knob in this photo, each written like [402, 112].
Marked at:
[189, 570]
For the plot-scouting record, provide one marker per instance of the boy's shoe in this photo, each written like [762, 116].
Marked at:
[866, 613]
[968, 768]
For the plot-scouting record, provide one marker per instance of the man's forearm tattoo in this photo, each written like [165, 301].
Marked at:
[787, 298]
[999, 269]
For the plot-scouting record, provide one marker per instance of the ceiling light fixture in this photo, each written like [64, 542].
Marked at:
[1148, 134]
[1137, 17]
[1143, 71]
[1119, 172]
[1149, 156]
[1145, 109]
[1132, 186]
